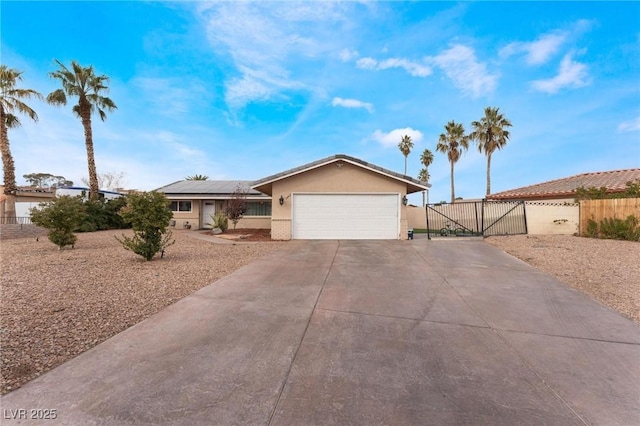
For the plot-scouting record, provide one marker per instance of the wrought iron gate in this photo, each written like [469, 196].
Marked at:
[476, 218]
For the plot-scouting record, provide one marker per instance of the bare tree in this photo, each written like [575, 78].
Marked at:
[236, 206]
[108, 180]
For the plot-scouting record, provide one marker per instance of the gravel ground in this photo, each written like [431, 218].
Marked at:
[57, 304]
[606, 270]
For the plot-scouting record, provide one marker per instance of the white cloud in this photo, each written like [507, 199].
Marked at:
[459, 63]
[367, 63]
[261, 39]
[538, 51]
[392, 138]
[542, 49]
[572, 74]
[630, 126]
[412, 68]
[347, 55]
[352, 103]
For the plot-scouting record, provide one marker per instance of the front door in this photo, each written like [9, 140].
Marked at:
[208, 210]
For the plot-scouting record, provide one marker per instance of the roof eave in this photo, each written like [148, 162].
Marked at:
[264, 185]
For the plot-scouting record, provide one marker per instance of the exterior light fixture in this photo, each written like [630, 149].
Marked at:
[405, 200]
[281, 200]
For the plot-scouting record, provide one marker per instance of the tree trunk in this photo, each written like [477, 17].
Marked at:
[91, 162]
[405, 165]
[8, 165]
[488, 174]
[453, 192]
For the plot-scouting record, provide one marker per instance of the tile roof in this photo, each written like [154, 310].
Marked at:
[207, 187]
[414, 184]
[614, 181]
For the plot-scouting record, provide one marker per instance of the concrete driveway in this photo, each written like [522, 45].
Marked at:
[359, 332]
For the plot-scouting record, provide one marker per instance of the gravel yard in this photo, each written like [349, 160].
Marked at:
[606, 270]
[57, 304]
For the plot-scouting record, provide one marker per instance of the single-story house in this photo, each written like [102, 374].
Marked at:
[193, 202]
[563, 190]
[338, 197]
[27, 197]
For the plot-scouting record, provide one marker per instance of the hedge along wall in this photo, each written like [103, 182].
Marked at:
[597, 210]
[545, 217]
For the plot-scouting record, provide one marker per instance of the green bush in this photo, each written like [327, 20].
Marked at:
[149, 215]
[592, 229]
[613, 228]
[103, 214]
[61, 216]
[219, 220]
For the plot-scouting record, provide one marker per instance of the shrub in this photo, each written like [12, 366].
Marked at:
[219, 220]
[61, 216]
[103, 214]
[620, 229]
[592, 229]
[149, 215]
[613, 228]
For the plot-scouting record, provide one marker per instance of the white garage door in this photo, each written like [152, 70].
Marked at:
[345, 216]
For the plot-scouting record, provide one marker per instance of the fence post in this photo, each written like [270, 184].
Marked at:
[482, 218]
[428, 231]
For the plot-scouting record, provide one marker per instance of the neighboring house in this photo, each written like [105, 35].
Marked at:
[339, 197]
[563, 190]
[26, 198]
[81, 191]
[193, 202]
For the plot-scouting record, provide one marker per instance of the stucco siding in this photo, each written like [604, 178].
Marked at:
[552, 218]
[329, 178]
[416, 217]
[253, 222]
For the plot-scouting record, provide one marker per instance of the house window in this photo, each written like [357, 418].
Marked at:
[181, 206]
[258, 208]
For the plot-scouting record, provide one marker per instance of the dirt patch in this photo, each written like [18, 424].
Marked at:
[255, 235]
[606, 270]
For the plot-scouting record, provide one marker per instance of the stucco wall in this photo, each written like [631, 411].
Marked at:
[416, 217]
[253, 222]
[552, 218]
[329, 179]
[193, 217]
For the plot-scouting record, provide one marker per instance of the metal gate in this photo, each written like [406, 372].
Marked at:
[476, 218]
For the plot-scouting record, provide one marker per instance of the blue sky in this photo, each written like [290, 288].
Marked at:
[242, 90]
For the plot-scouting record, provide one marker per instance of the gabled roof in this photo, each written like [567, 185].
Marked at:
[614, 181]
[413, 185]
[207, 188]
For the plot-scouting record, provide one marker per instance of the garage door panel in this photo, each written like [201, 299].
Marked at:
[345, 216]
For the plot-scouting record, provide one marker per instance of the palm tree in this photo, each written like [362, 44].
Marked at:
[405, 146]
[197, 177]
[490, 134]
[426, 159]
[88, 87]
[10, 103]
[452, 143]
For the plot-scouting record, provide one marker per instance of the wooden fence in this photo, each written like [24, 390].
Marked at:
[597, 210]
